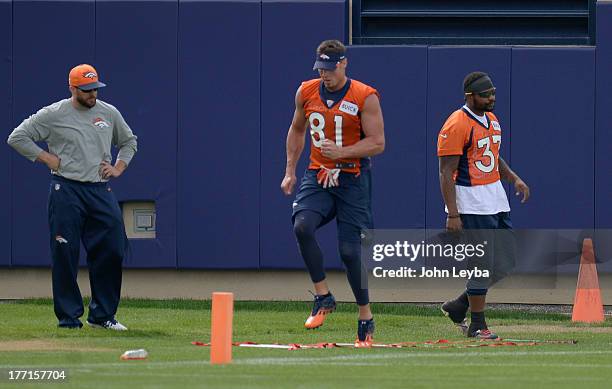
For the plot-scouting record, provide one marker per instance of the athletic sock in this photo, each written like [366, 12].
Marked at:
[478, 321]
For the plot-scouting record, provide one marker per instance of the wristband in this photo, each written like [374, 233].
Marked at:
[452, 217]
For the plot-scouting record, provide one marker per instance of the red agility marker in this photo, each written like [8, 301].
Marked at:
[430, 344]
[221, 328]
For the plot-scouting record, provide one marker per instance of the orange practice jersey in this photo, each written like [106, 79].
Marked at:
[478, 146]
[341, 123]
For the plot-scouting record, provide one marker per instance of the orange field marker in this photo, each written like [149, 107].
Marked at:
[588, 307]
[221, 328]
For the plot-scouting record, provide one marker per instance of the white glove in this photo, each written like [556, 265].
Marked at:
[328, 178]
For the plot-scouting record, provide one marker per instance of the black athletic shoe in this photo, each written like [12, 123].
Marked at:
[484, 333]
[457, 313]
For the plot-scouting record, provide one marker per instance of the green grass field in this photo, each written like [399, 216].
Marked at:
[29, 339]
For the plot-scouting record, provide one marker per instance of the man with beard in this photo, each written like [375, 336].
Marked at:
[79, 132]
[470, 170]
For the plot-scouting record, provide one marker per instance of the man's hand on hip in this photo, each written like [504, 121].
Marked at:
[107, 170]
[51, 160]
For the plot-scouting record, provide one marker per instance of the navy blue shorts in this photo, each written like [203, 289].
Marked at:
[350, 202]
[487, 222]
[496, 230]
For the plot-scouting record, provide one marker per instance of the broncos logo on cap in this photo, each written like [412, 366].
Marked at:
[324, 56]
[90, 75]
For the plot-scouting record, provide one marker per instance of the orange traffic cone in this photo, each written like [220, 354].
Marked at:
[221, 328]
[588, 307]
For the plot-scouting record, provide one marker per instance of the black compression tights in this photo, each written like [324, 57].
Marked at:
[304, 226]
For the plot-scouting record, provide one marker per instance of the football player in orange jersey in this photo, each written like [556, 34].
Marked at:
[470, 170]
[345, 122]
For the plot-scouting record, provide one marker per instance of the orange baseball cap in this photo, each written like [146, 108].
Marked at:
[84, 77]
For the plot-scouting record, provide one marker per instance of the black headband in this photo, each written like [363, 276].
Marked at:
[478, 85]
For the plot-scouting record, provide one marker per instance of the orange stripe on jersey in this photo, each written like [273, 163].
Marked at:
[340, 123]
[478, 146]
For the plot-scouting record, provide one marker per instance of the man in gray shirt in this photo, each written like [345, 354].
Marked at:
[79, 132]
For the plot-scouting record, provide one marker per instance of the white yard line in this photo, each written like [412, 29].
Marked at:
[364, 358]
[570, 376]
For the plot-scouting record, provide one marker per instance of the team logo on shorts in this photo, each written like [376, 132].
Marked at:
[57, 186]
[90, 75]
[100, 123]
[60, 239]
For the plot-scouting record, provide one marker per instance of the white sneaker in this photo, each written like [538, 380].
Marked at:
[109, 325]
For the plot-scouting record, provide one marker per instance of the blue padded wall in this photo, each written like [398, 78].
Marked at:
[211, 104]
[6, 32]
[42, 58]
[603, 146]
[603, 118]
[136, 55]
[447, 67]
[398, 185]
[218, 123]
[289, 40]
[553, 100]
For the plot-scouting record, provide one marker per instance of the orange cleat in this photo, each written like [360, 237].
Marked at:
[323, 305]
[367, 343]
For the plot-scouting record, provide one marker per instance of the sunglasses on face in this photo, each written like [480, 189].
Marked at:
[487, 94]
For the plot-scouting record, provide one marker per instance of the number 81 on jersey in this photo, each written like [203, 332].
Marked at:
[317, 126]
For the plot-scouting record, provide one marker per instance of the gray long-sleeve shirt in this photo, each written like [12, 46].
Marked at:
[80, 137]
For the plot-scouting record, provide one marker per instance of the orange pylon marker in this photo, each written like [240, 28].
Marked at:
[588, 307]
[221, 328]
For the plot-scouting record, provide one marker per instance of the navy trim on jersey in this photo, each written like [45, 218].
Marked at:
[336, 96]
[476, 119]
[463, 170]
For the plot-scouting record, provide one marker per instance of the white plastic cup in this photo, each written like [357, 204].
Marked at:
[135, 354]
